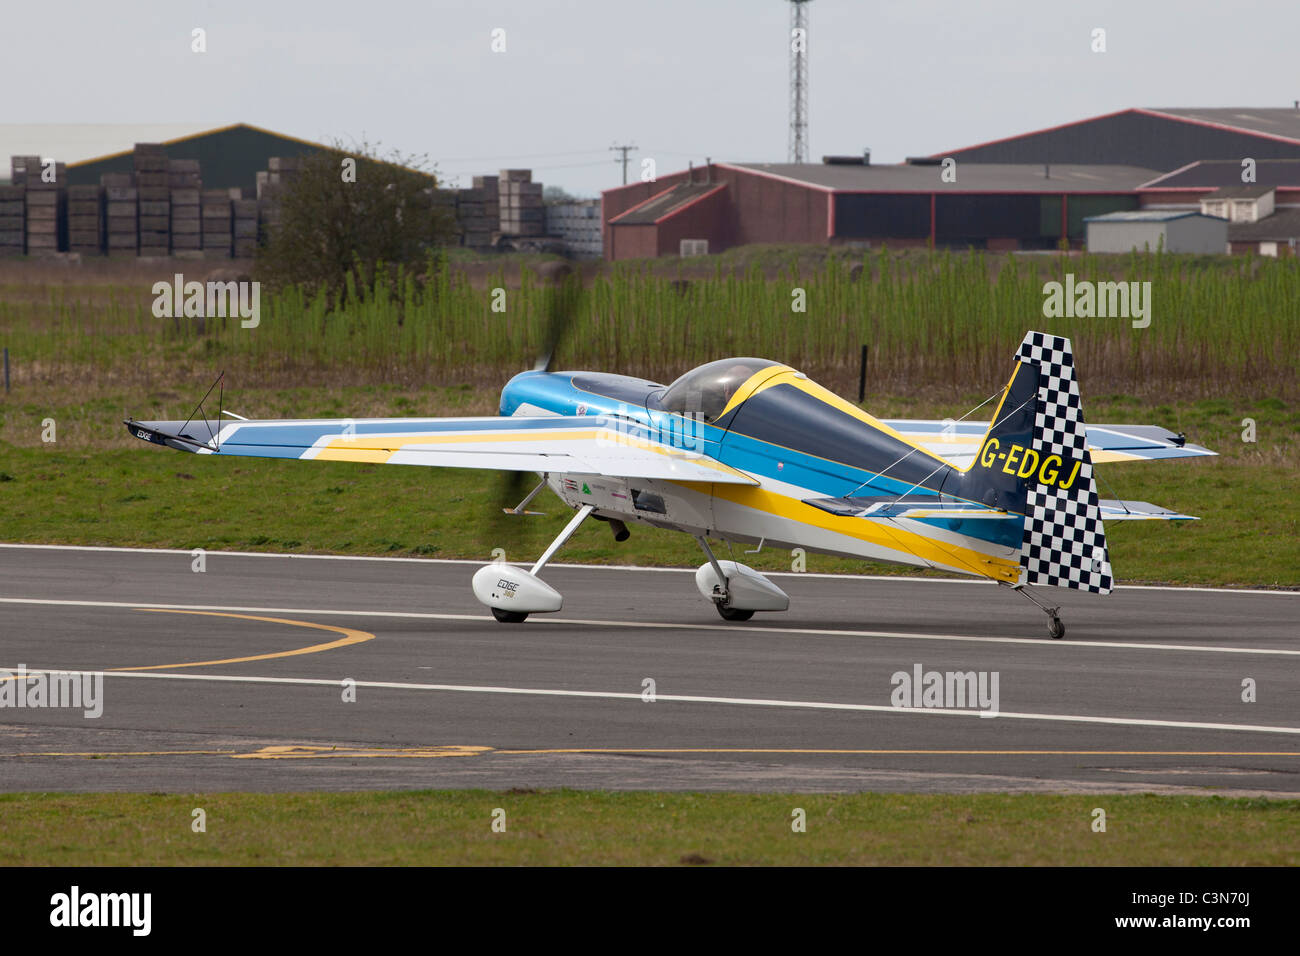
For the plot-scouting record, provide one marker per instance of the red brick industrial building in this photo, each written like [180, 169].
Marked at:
[995, 206]
[1028, 191]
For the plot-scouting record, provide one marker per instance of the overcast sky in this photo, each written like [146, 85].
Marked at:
[682, 79]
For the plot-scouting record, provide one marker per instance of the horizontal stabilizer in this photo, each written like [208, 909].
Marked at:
[915, 508]
[1113, 510]
[958, 443]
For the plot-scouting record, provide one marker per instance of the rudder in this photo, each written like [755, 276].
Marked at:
[1064, 542]
[1034, 461]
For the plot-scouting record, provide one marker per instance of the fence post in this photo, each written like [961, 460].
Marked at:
[862, 377]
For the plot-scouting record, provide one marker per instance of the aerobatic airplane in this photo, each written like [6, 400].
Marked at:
[751, 451]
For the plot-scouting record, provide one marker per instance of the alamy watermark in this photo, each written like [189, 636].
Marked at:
[684, 431]
[1102, 300]
[76, 908]
[78, 690]
[210, 300]
[947, 690]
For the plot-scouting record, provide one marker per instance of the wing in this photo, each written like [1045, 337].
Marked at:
[587, 445]
[959, 442]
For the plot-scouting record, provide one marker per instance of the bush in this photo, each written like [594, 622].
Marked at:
[351, 212]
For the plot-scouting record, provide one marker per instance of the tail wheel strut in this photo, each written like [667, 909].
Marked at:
[1055, 627]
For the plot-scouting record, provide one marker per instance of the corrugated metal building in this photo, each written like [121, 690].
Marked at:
[1263, 213]
[1162, 139]
[230, 156]
[1150, 230]
[994, 206]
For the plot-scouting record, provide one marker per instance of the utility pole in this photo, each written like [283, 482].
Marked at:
[624, 150]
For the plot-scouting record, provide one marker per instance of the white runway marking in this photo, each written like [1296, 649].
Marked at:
[621, 567]
[730, 629]
[684, 699]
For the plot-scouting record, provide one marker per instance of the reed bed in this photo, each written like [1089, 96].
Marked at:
[940, 320]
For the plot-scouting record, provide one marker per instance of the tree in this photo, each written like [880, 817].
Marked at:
[351, 210]
[553, 194]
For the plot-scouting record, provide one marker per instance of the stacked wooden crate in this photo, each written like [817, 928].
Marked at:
[13, 216]
[187, 223]
[86, 220]
[478, 212]
[522, 212]
[215, 206]
[471, 216]
[272, 184]
[45, 201]
[491, 186]
[245, 228]
[280, 174]
[151, 179]
[121, 214]
[184, 183]
[578, 224]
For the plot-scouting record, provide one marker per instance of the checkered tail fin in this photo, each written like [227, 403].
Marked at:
[1064, 543]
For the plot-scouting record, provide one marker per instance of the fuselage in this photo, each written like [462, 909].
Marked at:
[799, 441]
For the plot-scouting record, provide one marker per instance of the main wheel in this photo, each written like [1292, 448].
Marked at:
[733, 613]
[509, 617]
[1056, 629]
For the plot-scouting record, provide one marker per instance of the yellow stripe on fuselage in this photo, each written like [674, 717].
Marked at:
[874, 531]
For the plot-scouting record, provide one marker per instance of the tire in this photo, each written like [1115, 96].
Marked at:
[734, 613]
[509, 617]
[1056, 629]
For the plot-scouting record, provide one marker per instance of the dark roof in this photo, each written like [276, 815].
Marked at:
[664, 204]
[1270, 121]
[1213, 173]
[971, 177]
[1253, 191]
[1164, 139]
[228, 156]
[1281, 225]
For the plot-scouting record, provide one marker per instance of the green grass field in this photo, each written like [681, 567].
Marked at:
[566, 827]
[96, 485]
[1223, 347]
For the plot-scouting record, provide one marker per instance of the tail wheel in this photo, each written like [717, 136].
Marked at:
[509, 617]
[733, 613]
[1056, 629]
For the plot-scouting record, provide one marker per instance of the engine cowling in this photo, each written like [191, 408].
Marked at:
[509, 588]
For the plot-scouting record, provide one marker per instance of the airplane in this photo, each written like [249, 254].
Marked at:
[752, 451]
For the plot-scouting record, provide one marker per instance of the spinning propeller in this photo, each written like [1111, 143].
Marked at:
[562, 294]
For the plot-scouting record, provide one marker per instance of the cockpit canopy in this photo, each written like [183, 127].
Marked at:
[707, 390]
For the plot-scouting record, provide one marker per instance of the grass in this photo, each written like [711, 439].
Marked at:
[96, 485]
[936, 319]
[1224, 346]
[567, 827]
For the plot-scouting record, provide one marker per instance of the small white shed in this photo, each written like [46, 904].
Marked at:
[1174, 230]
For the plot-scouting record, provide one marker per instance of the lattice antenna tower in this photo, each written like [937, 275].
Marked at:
[798, 39]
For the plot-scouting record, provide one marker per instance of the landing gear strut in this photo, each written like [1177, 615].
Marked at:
[1055, 628]
[736, 590]
[513, 593]
[720, 595]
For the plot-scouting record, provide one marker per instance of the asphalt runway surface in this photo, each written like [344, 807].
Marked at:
[236, 678]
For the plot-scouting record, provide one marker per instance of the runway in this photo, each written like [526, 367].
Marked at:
[239, 678]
